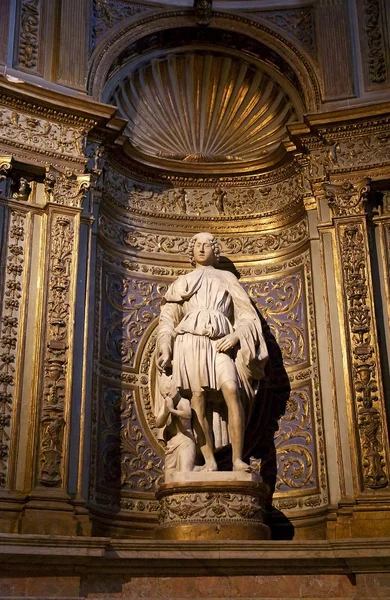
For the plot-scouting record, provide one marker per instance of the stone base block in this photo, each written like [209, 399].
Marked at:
[212, 510]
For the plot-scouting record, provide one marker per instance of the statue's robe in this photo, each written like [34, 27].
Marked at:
[200, 308]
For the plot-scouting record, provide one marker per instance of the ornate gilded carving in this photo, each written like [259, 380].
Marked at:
[374, 42]
[130, 305]
[66, 187]
[9, 330]
[44, 136]
[347, 198]
[282, 304]
[203, 507]
[353, 256]
[56, 355]
[109, 13]
[297, 22]
[262, 244]
[362, 151]
[29, 33]
[232, 203]
[294, 443]
[127, 461]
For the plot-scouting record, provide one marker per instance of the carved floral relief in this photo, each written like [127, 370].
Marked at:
[57, 355]
[41, 134]
[29, 33]
[11, 309]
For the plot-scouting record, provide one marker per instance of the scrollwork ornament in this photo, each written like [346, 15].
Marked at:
[203, 507]
[29, 33]
[364, 356]
[56, 358]
[66, 187]
[347, 199]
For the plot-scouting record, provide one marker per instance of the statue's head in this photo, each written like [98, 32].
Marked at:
[203, 249]
[168, 387]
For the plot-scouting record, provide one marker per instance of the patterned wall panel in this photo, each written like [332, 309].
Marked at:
[129, 459]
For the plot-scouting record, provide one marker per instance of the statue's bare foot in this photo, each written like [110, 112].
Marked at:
[239, 465]
[209, 466]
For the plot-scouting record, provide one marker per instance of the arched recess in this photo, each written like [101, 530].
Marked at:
[282, 49]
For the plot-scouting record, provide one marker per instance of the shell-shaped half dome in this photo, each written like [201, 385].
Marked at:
[198, 107]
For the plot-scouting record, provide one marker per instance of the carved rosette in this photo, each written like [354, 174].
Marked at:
[348, 202]
[11, 309]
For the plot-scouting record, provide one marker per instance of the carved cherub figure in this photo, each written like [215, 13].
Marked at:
[175, 417]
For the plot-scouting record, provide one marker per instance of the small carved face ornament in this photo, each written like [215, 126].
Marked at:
[203, 250]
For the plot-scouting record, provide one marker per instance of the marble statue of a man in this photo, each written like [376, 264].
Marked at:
[210, 337]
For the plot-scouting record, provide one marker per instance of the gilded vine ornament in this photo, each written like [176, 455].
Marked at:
[56, 358]
[364, 365]
[9, 331]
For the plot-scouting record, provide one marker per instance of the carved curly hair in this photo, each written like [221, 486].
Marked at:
[214, 245]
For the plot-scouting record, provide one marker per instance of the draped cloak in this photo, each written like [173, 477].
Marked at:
[198, 309]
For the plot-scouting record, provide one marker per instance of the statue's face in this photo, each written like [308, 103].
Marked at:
[203, 250]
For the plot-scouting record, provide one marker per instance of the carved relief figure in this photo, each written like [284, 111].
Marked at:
[210, 337]
[181, 201]
[175, 420]
[219, 197]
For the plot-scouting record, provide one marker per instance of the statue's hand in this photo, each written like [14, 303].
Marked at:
[164, 360]
[227, 343]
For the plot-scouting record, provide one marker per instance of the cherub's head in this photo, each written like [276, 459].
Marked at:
[203, 249]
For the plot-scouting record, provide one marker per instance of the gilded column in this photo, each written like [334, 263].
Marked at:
[49, 509]
[368, 435]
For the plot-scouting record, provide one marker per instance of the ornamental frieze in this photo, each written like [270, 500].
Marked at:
[41, 135]
[264, 244]
[216, 202]
[107, 14]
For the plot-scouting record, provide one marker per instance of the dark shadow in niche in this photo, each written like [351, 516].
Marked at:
[269, 406]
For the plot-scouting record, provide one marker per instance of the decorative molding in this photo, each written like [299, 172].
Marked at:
[29, 34]
[10, 329]
[59, 310]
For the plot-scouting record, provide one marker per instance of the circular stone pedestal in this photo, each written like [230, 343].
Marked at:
[226, 509]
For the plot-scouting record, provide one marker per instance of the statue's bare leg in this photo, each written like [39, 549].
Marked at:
[202, 429]
[231, 396]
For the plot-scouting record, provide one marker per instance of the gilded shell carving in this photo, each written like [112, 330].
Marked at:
[203, 108]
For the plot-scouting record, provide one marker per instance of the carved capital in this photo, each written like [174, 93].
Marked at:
[66, 187]
[5, 166]
[347, 199]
